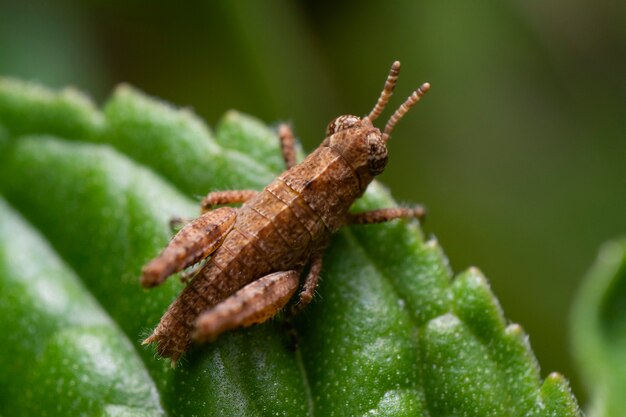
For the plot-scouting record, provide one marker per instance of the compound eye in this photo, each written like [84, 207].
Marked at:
[342, 123]
[377, 158]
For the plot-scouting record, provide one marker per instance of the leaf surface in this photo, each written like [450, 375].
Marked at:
[599, 331]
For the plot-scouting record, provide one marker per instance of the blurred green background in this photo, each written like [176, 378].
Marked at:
[518, 152]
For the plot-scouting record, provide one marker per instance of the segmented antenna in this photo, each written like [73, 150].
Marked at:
[413, 98]
[390, 84]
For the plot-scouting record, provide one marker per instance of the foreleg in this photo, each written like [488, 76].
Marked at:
[225, 197]
[253, 304]
[387, 214]
[193, 243]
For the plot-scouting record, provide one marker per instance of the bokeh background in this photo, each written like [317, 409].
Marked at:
[519, 151]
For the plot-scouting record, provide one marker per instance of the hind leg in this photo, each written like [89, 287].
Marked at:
[255, 303]
[197, 240]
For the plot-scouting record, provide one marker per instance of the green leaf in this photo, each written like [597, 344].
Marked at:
[390, 333]
[599, 331]
[61, 353]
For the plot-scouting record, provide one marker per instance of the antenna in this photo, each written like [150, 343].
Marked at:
[390, 84]
[410, 102]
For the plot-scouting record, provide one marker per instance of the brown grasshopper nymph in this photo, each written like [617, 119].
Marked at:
[258, 251]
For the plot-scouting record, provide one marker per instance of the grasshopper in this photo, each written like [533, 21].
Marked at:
[249, 260]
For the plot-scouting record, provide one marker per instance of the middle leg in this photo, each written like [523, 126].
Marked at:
[208, 203]
[217, 198]
[387, 214]
[310, 284]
